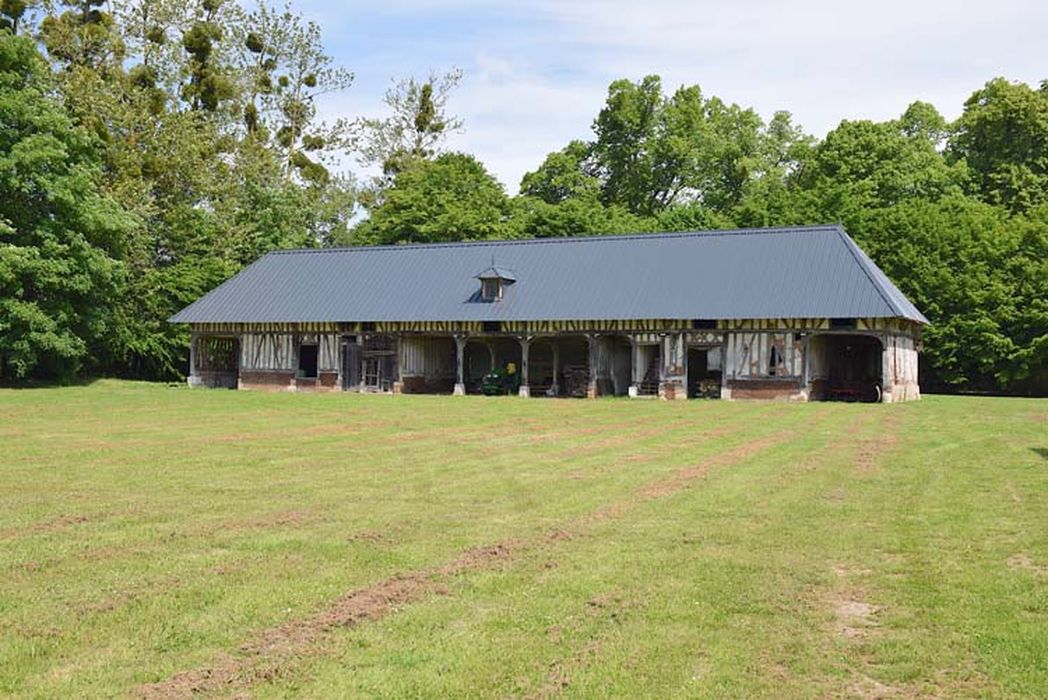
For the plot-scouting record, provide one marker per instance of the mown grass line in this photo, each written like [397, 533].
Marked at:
[147, 531]
[280, 644]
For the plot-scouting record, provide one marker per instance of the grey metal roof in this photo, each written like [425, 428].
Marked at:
[811, 272]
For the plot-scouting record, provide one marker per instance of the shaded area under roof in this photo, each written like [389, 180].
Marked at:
[809, 272]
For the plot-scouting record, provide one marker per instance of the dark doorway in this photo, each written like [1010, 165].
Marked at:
[489, 362]
[845, 367]
[619, 367]
[704, 372]
[350, 364]
[307, 361]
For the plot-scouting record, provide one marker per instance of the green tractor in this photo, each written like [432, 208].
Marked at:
[501, 381]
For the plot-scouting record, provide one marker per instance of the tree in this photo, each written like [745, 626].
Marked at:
[564, 175]
[166, 85]
[416, 127]
[979, 276]
[286, 69]
[532, 217]
[59, 238]
[450, 198]
[1002, 135]
[652, 152]
[862, 165]
[767, 197]
[11, 13]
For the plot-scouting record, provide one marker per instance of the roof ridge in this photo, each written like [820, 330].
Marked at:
[567, 239]
[854, 249]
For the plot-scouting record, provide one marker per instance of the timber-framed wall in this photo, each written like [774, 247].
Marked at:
[775, 358]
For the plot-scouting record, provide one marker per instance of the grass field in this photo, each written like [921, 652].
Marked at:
[158, 541]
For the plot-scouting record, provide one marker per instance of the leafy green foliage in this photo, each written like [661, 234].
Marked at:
[164, 144]
[58, 236]
[208, 172]
[563, 176]
[989, 322]
[904, 188]
[284, 69]
[450, 198]
[1003, 137]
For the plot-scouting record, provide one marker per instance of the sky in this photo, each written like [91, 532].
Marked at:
[536, 73]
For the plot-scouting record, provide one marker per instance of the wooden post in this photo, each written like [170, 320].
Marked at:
[554, 388]
[805, 366]
[593, 389]
[635, 378]
[460, 358]
[491, 355]
[525, 388]
[398, 371]
[728, 361]
[192, 379]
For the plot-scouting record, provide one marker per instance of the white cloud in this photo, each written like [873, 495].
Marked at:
[536, 74]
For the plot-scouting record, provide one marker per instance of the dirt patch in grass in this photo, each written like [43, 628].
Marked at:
[370, 537]
[683, 477]
[55, 524]
[854, 618]
[290, 518]
[866, 688]
[558, 678]
[1023, 562]
[262, 656]
[854, 615]
[871, 450]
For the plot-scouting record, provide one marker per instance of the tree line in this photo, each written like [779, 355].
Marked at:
[149, 149]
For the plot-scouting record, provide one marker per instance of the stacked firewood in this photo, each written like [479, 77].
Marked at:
[576, 380]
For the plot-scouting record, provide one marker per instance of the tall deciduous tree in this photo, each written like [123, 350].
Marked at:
[413, 132]
[862, 165]
[166, 86]
[565, 174]
[417, 124]
[59, 238]
[1003, 137]
[449, 198]
[980, 276]
[651, 151]
[286, 69]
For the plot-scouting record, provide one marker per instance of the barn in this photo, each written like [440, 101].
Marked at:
[796, 313]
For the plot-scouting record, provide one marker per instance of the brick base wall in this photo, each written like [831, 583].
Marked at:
[213, 379]
[267, 381]
[766, 390]
[420, 385]
[328, 381]
[286, 381]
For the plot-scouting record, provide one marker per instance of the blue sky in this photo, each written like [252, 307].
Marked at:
[536, 73]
